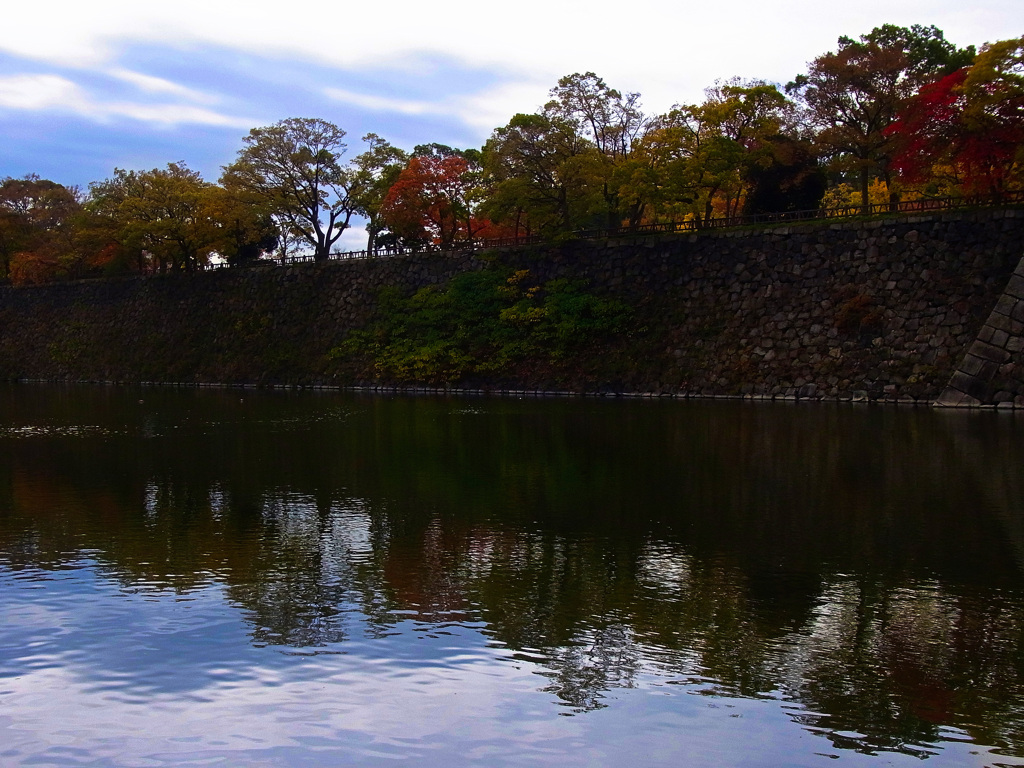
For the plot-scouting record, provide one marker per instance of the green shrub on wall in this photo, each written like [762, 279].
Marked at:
[483, 322]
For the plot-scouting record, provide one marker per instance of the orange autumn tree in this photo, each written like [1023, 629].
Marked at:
[434, 198]
[38, 239]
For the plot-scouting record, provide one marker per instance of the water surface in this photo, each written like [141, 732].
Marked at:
[224, 578]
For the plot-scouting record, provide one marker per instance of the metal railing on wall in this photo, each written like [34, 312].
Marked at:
[927, 205]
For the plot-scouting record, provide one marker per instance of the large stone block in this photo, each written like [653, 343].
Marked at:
[969, 385]
[972, 365]
[1015, 287]
[1005, 305]
[950, 398]
[1006, 323]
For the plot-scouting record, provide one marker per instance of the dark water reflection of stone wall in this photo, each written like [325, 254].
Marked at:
[863, 562]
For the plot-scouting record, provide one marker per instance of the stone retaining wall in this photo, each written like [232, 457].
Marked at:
[256, 325]
[877, 309]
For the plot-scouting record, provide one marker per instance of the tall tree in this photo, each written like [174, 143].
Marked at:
[294, 166]
[701, 153]
[376, 170]
[613, 122]
[434, 197]
[163, 215]
[36, 226]
[994, 111]
[245, 226]
[853, 94]
[539, 170]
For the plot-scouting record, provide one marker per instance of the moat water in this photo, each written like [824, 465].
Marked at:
[241, 578]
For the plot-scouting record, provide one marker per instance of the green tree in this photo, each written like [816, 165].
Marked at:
[699, 155]
[994, 110]
[928, 54]
[785, 177]
[161, 218]
[613, 122]
[376, 170]
[294, 167]
[538, 169]
[245, 225]
[994, 87]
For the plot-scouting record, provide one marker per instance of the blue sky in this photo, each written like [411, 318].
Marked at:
[87, 87]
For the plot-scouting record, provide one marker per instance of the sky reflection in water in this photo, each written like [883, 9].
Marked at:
[180, 589]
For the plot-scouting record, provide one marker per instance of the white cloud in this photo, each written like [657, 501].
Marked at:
[36, 92]
[494, 107]
[58, 94]
[383, 103]
[665, 48]
[151, 84]
[483, 110]
[171, 114]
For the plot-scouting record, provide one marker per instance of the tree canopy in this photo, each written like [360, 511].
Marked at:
[37, 229]
[966, 130]
[295, 168]
[895, 113]
[852, 95]
[434, 198]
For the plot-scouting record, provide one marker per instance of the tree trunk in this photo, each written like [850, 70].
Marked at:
[894, 196]
[637, 214]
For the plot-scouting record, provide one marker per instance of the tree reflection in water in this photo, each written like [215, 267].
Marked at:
[862, 564]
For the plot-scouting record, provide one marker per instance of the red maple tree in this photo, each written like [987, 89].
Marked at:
[947, 133]
[432, 201]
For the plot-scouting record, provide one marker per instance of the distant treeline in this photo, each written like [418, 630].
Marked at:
[896, 114]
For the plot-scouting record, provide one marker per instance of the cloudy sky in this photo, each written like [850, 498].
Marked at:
[87, 87]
